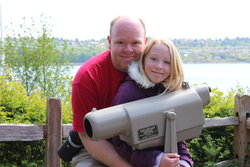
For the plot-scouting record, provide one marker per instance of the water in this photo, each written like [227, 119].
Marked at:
[221, 76]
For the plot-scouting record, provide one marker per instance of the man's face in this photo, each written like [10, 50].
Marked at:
[126, 43]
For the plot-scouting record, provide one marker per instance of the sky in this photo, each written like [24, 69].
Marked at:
[173, 19]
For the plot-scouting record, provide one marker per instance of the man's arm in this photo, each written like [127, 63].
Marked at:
[103, 151]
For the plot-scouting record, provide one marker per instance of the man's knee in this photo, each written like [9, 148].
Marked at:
[84, 159]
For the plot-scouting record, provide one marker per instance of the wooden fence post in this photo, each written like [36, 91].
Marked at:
[53, 132]
[241, 135]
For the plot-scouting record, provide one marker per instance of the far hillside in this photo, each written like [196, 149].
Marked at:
[236, 50]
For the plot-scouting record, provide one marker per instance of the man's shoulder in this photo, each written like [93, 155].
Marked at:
[95, 68]
[101, 58]
[100, 61]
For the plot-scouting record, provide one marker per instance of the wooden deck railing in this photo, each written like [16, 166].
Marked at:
[53, 131]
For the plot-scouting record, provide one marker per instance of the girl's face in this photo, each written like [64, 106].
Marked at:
[157, 63]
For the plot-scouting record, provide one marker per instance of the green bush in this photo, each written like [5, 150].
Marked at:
[17, 107]
[34, 68]
[22, 154]
[215, 144]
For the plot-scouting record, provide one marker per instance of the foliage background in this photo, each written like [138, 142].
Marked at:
[214, 145]
[23, 92]
[34, 68]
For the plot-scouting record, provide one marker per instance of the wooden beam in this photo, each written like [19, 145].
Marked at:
[225, 163]
[21, 132]
[218, 122]
[66, 129]
[31, 132]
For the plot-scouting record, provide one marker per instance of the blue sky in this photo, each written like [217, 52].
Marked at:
[86, 19]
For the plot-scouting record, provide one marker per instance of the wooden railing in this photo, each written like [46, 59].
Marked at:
[53, 131]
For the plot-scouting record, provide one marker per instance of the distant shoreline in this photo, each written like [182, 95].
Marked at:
[216, 62]
[78, 64]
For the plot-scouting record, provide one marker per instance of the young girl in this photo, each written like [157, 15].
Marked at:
[159, 70]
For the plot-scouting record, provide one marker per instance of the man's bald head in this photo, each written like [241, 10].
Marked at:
[127, 19]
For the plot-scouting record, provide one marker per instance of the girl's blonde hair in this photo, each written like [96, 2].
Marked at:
[176, 77]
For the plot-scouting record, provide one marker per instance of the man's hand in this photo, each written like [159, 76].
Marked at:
[170, 160]
[103, 151]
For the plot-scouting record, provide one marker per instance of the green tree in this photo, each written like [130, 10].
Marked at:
[36, 61]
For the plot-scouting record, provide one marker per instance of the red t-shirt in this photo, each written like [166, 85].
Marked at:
[94, 86]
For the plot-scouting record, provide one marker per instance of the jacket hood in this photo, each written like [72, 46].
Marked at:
[135, 74]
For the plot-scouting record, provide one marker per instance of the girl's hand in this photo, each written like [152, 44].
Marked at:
[170, 160]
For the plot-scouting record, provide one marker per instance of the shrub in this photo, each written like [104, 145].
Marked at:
[215, 144]
[17, 107]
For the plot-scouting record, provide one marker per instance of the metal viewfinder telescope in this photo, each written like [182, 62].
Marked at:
[155, 121]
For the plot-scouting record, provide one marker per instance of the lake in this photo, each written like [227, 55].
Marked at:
[221, 76]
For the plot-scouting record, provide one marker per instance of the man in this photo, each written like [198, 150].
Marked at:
[97, 82]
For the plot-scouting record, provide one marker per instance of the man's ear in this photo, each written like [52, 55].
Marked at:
[109, 41]
[146, 39]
